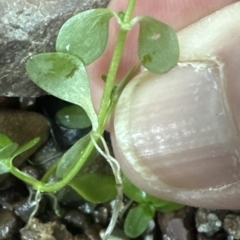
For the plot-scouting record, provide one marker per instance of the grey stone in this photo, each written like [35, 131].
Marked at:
[28, 27]
[54, 230]
[207, 222]
[232, 225]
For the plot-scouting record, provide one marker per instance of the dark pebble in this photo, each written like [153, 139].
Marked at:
[232, 225]
[93, 231]
[25, 207]
[217, 236]
[32, 171]
[8, 224]
[77, 219]
[101, 215]
[64, 137]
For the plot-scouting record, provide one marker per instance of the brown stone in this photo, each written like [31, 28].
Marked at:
[21, 127]
[45, 231]
[28, 27]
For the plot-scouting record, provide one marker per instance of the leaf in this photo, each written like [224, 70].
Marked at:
[163, 205]
[170, 207]
[73, 116]
[4, 140]
[132, 191]
[95, 187]
[73, 155]
[26, 146]
[85, 35]
[140, 196]
[65, 77]
[158, 47]
[138, 219]
[3, 168]
[8, 151]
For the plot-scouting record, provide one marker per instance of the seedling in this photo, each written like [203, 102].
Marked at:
[138, 217]
[81, 40]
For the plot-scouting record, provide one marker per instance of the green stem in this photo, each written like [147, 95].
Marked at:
[112, 75]
[129, 11]
[117, 55]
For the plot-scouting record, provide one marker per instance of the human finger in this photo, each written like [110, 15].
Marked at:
[176, 136]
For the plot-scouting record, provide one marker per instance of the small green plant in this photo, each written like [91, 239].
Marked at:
[138, 217]
[81, 40]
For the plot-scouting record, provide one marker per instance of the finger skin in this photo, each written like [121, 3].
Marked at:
[178, 135]
[177, 13]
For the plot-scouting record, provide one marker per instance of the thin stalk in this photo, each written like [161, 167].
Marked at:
[51, 187]
[117, 55]
[55, 186]
[112, 75]
[129, 11]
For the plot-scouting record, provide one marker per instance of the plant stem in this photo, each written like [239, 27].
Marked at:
[111, 76]
[129, 11]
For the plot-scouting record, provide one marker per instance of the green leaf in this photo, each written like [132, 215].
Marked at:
[95, 187]
[140, 196]
[26, 146]
[8, 151]
[163, 205]
[73, 116]
[73, 155]
[132, 191]
[4, 140]
[170, 207]
[158, 47]
[65, 77]
[85, 35]
[137, 220]
[3, 168]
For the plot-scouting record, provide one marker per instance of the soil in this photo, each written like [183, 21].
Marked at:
[65, 215]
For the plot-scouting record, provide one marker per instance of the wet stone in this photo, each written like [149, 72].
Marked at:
[179, 225]
[102, 214]
[45, 156]
[8, 224]
[77, 219]
[25, 207]
[208, 221]
[45, 231]
[16, 191]
[64, 137]
[32, 171]
[28, 27]
[217, 236]
[21, 127]
[232, 225]
[93, 232]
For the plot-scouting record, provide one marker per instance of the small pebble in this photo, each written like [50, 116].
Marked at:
[45, 231]
[25, 207]
[77, 219]
[101, 215]
[32, 171]
[207, 222]
[232, 225]
[93, 231]
[178, 225]
[8, 224]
